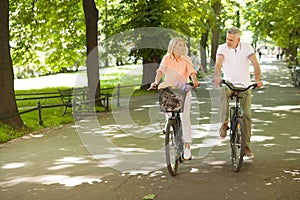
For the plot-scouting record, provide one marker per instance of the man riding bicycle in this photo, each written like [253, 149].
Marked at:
[234, 56]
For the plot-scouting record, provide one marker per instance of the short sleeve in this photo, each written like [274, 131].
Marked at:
[250, 49]
[162, 66]
[189, 64]
[220, 50]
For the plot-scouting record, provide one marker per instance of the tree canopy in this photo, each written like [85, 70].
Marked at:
[49, 36]
[276, 19]
[46, 36]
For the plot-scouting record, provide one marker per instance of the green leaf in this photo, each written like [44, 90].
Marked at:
[149, 197]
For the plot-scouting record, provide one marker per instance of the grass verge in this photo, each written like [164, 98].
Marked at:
[51, 117]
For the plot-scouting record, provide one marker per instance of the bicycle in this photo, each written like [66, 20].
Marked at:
[237, 132]
[172, 101]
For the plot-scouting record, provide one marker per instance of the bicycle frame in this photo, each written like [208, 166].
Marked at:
[237, 131]
[173, 140]
[235, 111]
[173, 132]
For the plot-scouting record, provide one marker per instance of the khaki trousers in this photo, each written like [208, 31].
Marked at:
[245, 99]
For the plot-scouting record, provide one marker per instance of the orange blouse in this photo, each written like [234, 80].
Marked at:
[176, 71]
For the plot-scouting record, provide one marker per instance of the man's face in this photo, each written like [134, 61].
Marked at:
[232, 40]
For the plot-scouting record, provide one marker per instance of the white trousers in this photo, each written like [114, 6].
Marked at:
[185, 120]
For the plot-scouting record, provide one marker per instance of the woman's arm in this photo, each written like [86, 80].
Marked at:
[158, 77]
[194, 79]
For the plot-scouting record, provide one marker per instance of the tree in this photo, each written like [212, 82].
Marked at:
[203, 44]
[217, 6]
[91, 20]
[8, 104]
[278, 20]
[176, 15]
[201, 16]
[145, 14]
[46, 36]
[50, 37]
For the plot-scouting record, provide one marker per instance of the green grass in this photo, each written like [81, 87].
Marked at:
[53, 117]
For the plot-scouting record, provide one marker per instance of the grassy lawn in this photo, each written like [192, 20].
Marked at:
[53, 117]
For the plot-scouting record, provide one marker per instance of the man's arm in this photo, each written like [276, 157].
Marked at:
[257, 70]
[218, 67]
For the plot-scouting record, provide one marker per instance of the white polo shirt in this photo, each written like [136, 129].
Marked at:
[236, 63]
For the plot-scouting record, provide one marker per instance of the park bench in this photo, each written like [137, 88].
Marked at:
[78, 100]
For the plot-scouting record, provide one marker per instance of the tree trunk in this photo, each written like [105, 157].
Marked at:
[292, 46]
[92, 62]
[214, 46]
[8, 103]
[215, 33]
[203, 47]
[149, 71]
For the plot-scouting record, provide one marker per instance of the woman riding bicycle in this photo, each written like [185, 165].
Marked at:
[177, 67]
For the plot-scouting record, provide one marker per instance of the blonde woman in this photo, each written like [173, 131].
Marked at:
[177, 67]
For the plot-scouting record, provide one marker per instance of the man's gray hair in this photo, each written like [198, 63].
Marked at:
[233, 30]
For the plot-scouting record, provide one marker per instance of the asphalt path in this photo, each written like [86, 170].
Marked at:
[119, 155]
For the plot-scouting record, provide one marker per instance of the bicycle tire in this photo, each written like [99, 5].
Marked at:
[173, 147]
[238, 144]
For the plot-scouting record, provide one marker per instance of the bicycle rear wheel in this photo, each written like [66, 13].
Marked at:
[238, 143]
[173, 147]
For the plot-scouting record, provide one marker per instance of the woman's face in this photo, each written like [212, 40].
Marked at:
[179, 48]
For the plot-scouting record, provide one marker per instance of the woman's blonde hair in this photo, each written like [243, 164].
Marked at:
[172, 44]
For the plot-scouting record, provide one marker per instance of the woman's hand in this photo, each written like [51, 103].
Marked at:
[153, 86]
[196, 84]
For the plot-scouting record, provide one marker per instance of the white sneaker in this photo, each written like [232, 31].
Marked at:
[187, 154]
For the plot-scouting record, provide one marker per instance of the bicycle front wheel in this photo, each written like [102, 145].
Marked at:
[238, 143]
[172, 147]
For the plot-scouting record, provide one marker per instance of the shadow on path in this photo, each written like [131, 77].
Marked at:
[97, 158]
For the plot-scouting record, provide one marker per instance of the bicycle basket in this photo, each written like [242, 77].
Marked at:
[171, 100]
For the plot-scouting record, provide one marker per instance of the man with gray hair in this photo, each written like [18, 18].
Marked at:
[234, 57]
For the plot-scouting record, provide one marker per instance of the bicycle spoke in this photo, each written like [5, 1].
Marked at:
[237, 138]
[171, 150]
[237, 131]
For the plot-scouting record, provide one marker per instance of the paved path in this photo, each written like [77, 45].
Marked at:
[99, 158]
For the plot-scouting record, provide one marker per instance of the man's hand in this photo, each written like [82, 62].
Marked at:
[259, 84]
[217, 81]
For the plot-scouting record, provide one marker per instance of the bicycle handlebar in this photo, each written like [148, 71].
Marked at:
[155, 87]
[254, 85]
